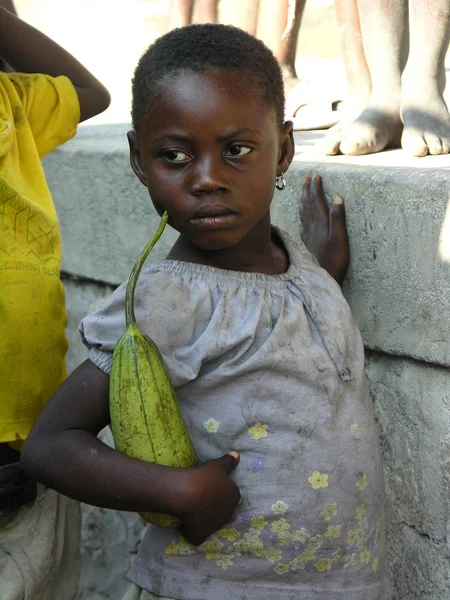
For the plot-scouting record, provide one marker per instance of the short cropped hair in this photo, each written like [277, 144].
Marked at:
[202, 47]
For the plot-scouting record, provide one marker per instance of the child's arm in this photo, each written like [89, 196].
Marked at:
[63, 452]
[323, 229]
[28, 50]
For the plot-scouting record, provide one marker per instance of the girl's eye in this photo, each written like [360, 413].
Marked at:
[238, 150]
[176, 156]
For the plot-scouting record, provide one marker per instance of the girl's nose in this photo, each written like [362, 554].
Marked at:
[209, 177]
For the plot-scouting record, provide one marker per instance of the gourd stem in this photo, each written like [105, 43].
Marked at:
[130, 318]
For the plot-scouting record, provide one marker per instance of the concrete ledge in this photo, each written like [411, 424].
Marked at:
[398, 284]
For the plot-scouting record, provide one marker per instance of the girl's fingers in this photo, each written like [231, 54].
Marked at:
[318, 198]
[337, 219]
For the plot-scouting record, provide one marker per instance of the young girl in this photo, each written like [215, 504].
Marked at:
[260, 345]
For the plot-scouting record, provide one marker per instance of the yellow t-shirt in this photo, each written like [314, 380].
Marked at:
[37, 114]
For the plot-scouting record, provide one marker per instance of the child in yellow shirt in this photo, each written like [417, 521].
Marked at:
[41, 104]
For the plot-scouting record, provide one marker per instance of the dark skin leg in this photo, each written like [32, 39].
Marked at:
[323, 229]
[279, 28]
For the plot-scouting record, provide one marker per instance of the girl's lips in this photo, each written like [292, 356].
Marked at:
[212, 210]
[213, 216]
[219, 221]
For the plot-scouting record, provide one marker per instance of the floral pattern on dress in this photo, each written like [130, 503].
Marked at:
[356, 431]
[258, 431]
[211, 425]
[329, 510]
[279, 508]
[280, 540]
[318, 480]
[361, 481]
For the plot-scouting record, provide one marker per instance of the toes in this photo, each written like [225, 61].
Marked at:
[434, 143]
[445, 145]
[330, 145]
[414, 143]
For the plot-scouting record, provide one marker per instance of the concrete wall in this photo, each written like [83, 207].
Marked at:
[398, 286]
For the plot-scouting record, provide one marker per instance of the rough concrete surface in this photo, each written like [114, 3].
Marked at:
[398, 286]
[412, 407]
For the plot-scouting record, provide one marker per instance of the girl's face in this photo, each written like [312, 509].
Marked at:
[209, 152]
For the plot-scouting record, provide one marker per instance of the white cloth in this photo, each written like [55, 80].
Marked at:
[40, 549]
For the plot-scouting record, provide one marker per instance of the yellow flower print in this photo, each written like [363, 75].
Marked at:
[307, 555]
[333, 532]
[379, 533]
[212, 545]
[354, 538]
[281, 569]
[272, 554]
[318, 480]
[257, 548]
[252, 535]
[375, 564]
[324, 564]
[279, 508]
[360, 511]
[297, 564]
[180, 548]
[284, 538]
[280, 525]
[356, 431]
[225, 561]
[300, 535]
[259, 522]
[314, 543]
[363, 524]
[337, 556]
[242, 546]
[211, 425]
[229, 534]
[213, 555]
[349, 561]
[364, 556]
[258, 431]
[329, 510]
[361, 481]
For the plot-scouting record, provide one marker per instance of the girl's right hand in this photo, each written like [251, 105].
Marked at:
[209, 497]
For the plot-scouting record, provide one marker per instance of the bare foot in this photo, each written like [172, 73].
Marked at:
[373, 131]
[426, 121]
[323, 229]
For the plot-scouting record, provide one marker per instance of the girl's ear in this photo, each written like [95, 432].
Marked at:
[135, 157]
[287, 146]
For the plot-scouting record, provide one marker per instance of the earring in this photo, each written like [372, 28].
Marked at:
[280, 182]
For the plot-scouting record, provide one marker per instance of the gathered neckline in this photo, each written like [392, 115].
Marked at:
[218, 274]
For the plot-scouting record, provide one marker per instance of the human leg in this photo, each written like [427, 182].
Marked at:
[180, 13]
[424, 112]
[207, 11]
[384, 36]
[279, 28]
[359, 84]
[248, 16]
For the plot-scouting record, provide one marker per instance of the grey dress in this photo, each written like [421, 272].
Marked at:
[272, 366]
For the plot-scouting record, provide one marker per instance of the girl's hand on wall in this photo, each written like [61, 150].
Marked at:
[324, 231]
